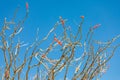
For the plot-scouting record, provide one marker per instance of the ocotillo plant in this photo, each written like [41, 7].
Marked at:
[83, 59]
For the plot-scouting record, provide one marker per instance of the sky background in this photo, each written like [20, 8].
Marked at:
[45, 13]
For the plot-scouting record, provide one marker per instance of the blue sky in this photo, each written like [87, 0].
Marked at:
[44, 14]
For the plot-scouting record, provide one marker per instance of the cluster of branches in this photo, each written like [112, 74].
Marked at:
[84, 59]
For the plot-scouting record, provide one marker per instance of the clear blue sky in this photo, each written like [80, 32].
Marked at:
[44, 13]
